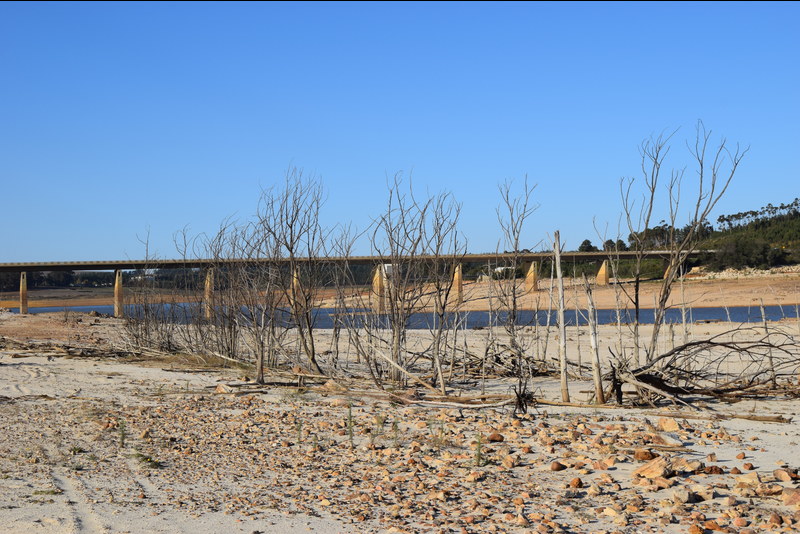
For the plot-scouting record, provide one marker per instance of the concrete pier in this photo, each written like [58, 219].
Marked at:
[532, 277]
[119, 309]
[208, 294]
[23, 292]
[602, 275]
[379, 289]
[458, 284]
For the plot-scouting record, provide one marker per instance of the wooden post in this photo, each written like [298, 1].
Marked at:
[532, 278]
[119, 310]
[23, 292]
[379, 289]
[208, 294]
[602, 275]
[562, 327]
[458, 284]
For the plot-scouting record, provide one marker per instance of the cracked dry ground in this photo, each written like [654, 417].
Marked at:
[384, 467]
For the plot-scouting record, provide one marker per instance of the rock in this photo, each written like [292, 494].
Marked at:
[791, 496]
[668, 424]
[576, 483]
[740, 456]
[783, 475]
[712, 525]
[331, 385]
[495, 437]
[683, 496]
[643, 455]
[775, 519]
[682, 465]
[222, 388]
[750, 479]
[654, 469]
[748, 466]
[509, 461]
[475, 476]
[557, 466]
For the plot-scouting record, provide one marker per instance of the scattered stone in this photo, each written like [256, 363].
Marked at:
[668, 424]
[495, 437]
[557, 466]
[654, 469]
[643, 455]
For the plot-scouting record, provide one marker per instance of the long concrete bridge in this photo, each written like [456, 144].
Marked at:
[528, 259]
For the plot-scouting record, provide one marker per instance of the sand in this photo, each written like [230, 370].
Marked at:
[167, 444]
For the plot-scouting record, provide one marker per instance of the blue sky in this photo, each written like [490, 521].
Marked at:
[119, 118]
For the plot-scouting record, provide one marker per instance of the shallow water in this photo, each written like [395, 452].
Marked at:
[478, 319]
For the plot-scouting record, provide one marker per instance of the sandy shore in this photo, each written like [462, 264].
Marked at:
[166, 444]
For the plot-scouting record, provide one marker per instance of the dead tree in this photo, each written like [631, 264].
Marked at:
[512, 214]
[290, 217]
[715, 168]
[398, 239]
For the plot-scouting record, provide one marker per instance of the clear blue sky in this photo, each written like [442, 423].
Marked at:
[116, 118]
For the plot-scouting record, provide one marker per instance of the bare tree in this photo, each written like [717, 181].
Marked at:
[398, 239]
[715, 167]
[512, 214]
[290, 218]
[445, 249]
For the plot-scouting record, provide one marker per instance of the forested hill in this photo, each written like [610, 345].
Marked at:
[757, 238]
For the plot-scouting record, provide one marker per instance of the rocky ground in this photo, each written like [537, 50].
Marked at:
[96, 443]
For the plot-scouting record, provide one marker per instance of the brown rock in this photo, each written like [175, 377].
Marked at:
[509, 461]
[668, 424]
[783, 475]
[740, 456]
[712, 525]
[695, 529]
[682, 465]
[748, 466]
[750, 479]
[495, 437]
[557, 466]
[791, 497]
[775, 519]
[654, 469]
[736, 471]
[576, 483]
[643, 455]
[475, 476]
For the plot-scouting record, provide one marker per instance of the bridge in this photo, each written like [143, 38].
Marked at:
[528, 259]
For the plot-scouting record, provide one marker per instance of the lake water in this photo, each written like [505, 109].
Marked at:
[479, 319]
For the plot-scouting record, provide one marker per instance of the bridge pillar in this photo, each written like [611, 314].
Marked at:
[23, 292]
[208, 294]
[379, 289]
[602, 275]
[532, 277]
[458, 284]
[119, 310]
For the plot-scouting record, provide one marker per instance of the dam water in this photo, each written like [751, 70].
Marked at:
[325, 317]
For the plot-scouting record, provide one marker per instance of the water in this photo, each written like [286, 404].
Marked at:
[324, 317]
